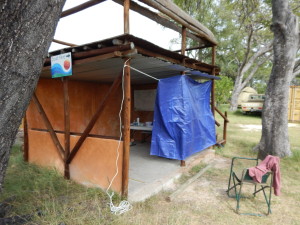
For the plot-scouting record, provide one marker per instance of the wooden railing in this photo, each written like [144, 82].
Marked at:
[224, 116]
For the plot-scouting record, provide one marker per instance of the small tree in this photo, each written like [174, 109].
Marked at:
[223, 89]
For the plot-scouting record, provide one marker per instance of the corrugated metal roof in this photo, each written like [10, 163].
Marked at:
[107, 69]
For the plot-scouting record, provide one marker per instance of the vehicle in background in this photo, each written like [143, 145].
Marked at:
[244, 95]
[254, 103]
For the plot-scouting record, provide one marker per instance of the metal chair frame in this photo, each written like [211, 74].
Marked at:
[246, 179]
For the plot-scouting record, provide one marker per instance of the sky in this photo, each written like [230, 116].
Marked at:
[105, 20]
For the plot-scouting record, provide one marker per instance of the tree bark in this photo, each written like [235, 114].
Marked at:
[275, 138]
[26, 31]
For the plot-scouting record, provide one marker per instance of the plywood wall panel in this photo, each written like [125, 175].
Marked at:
[94, 165]
[85, 97]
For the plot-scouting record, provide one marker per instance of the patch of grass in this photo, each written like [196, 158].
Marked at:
[204, 202]
[195, 169]
[45, 190]
[238, 117]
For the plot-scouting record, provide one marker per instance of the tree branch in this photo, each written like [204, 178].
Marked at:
[249, 40]
[254, 69]
[260, 52]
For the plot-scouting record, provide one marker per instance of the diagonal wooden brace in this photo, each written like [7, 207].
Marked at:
[94, 119]
[54, 138]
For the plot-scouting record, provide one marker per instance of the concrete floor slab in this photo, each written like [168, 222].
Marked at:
[150, 174]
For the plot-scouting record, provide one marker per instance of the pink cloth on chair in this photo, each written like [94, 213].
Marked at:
[270, 163]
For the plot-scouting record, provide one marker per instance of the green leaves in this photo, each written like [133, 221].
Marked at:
[223, 90]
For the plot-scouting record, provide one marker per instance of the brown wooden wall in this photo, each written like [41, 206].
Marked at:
[84, 100]
[294, 104]
[93, 166]
[94, 163]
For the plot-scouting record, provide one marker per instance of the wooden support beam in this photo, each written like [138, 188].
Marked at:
[213, 81]
[217, 123]
[126, 130]
[67, 126]
[79, 134]
[96, 52]
[203, 68]
[183, 40]
[126, 16]
[96, 58]
[192, 48]
[225, 128]
[49, 126]
[174, 12]
[156, 17]
[94, 119]
[64, 43]
[79, 8]
[25, 143]
[221, 114]
[182, 163]
[101, 51]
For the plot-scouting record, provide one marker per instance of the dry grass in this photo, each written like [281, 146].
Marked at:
[203, 202]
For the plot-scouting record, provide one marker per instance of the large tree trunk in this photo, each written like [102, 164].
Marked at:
[26, 32]
[275, 138]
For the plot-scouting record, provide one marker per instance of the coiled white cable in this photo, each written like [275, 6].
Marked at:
[124, 205]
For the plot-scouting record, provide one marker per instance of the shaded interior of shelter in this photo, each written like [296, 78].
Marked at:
[95, 162]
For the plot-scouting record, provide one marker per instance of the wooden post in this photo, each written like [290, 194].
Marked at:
[25, 144]
[67, 126]
[225, 128]
[126, 130]
[183, 40]
[183, 47]
[182, 163]
[213, 81]
[126, 16]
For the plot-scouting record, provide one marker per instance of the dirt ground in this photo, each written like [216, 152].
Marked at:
[213, 206]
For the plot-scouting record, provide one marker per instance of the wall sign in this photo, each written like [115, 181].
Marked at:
[61, 65]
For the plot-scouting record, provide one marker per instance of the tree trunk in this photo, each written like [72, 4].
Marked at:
[235, 94]
[275, 138]
[26, 32]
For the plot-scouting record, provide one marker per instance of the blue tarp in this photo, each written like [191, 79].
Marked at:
[183, 122]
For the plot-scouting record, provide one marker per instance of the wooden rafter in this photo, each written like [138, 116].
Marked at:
[192, 48]
[156, 17]
[95, 117]
[64, 43]
[173, 11]
[80, 7]
[197, 66]
[49, 126]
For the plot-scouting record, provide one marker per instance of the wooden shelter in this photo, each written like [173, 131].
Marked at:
[294, 104]
[73, 123]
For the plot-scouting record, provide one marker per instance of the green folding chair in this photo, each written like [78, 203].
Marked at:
[236, 184]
